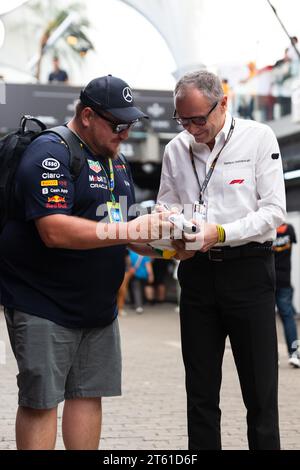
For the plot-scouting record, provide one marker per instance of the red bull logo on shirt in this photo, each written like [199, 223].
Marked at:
[56, 199]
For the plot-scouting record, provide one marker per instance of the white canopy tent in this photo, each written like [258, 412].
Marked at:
[171, 18]
[8, 5]
[206, 32]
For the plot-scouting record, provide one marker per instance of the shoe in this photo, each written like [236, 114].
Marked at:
[122, 313]
[294, 361]
[139, 310]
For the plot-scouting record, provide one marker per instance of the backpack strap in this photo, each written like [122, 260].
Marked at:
[25, 118]
[77, 157]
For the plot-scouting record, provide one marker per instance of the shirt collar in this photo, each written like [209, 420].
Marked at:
[225, 129]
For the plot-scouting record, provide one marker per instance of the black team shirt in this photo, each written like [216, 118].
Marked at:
[74, 288]
[283, 248]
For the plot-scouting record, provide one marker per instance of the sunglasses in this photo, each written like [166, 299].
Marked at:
[196, 120]
[117, 127]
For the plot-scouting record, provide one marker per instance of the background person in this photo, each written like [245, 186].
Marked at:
[160, 269]
[122, 292]
[282, 247]
[294, 56]
[57, 74]
[141, 267]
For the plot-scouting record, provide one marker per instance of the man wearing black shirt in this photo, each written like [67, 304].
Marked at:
[58, 75]
[284, 291]
[62, 263]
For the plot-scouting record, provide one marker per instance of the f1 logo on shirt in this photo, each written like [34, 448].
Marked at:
[237, 182]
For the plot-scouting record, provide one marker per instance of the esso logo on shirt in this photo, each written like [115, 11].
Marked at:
[50, 164]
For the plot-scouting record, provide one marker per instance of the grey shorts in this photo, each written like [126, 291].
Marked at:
[57, 363]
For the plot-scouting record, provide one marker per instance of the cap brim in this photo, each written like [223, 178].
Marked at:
[127, 114]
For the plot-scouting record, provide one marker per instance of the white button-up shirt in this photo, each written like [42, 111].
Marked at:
[246, 192]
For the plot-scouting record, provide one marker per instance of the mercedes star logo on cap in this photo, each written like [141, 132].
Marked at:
[127, 95]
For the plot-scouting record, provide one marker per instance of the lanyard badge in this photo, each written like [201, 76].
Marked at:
[114, 212]
[113, 207]
[200, 211]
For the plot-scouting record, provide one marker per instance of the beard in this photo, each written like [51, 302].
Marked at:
[109, 152]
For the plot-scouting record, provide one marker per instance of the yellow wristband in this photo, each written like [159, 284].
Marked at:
[221, 234]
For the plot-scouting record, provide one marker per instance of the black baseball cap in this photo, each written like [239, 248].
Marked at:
[113, 95]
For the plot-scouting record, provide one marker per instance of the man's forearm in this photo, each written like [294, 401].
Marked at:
[80, 234]
[76, 233]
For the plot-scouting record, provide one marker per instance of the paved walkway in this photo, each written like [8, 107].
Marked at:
[151, 413]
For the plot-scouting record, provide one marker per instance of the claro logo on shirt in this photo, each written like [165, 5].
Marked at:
[50, 164]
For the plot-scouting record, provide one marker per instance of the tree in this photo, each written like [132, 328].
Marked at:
[67, 28]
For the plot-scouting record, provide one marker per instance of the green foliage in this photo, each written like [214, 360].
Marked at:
[51, 15]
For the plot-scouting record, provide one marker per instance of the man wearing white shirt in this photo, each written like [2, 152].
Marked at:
[293, 55]
[233, 168]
